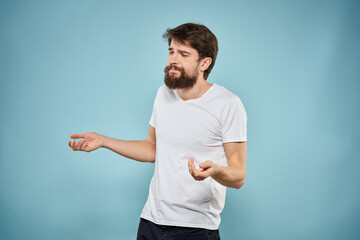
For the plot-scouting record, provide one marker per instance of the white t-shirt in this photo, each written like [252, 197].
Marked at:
[184, 129]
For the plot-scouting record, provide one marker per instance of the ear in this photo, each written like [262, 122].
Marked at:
[205, 63]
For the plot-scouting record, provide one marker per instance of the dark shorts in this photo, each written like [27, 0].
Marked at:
[151, 231]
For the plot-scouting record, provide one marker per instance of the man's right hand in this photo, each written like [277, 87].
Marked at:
[142, 151]
[90, 141]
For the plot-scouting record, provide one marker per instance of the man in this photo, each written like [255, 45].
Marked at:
[197, 139]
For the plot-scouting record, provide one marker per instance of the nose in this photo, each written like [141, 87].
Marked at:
[173, 58]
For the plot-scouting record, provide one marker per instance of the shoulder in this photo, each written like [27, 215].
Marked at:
[231, 109]
[223, 96]
[227, 103]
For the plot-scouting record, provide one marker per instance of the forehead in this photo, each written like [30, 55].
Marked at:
[176, 45]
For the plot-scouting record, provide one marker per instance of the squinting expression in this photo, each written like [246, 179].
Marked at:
[183, 56]
[182, 69]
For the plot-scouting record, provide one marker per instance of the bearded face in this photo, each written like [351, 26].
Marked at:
[184, 80]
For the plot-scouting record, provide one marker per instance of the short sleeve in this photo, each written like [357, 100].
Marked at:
[234, 122]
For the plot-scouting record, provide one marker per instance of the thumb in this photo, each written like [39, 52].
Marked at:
[205, 165]
[76, 136]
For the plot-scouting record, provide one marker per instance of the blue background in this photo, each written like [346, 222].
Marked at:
[75, 66]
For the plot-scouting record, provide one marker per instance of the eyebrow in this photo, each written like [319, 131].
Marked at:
[181, 51]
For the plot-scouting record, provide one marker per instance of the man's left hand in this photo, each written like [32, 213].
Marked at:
[206, 169]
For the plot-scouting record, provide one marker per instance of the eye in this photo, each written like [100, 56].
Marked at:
[184, 55]
[171, 52]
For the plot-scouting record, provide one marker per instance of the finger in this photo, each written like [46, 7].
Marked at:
[73, 145]
[202, 175]
[78, 144]
[76, 136]
[192, 164]
[190, 167]
[69, 143]
[195, 172]
[83, 146]
[82, 142]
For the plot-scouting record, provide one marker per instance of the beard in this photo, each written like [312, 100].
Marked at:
[183, 81]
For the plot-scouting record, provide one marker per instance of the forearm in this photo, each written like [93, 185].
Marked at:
[232, 177]
[143, 151]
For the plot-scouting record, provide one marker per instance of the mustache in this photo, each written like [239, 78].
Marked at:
[172, 66]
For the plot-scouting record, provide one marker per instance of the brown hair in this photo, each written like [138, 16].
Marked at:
[198, 37]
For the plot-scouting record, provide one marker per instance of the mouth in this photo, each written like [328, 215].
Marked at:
[173, 70]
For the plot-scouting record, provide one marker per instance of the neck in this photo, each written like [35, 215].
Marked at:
[200, 87]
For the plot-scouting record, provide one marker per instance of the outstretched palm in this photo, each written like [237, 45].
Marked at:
[90, 141]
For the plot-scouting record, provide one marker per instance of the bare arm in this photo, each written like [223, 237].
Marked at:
[232, 175]
[143, 151]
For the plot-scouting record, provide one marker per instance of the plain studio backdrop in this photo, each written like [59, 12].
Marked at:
[76, 66]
